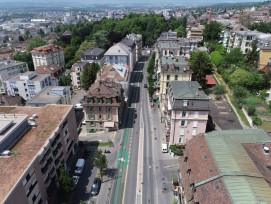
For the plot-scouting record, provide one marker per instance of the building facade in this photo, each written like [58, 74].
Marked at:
[27, 85]
[137, 38]
[47, 55]
[186, 111]
[10, 68]
[55, 70]
[264, 46]
[31, 177]
[76, 72]
[103, 106]
[195, 32]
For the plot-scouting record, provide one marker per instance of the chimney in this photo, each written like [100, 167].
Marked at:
[265, 149]
[98, 89]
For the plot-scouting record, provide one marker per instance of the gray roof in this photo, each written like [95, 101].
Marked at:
[37, 77]
[128, 42]
[180, 65]
[10, 63]
[168, 44]
[94, 51]
[165, 36]
[118, 49]
[187, 90]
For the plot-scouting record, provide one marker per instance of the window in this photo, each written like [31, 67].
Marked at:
[100, 117]
[101, 124]
[194, 132]
[188, 172]
[99, 109]
[90, 109]
[90, 100]
[195, 124]
[109, 117]
[108, 109]
[25, 89]
[91, 116]
[183, 123]
[183, 113]
[176, 77]
[181, 140]
[92, 124]
[181, 131]
[168, 77]
[196, 114]
[99, 100]
[108, 100]
[185, 103]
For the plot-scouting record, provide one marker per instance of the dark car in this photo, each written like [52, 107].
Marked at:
[145, 86]
[96, 186]
[82, 100]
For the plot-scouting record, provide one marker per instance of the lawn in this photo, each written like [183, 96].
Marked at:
[266, 125]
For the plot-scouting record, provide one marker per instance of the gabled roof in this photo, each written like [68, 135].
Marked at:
[210, 80]
[118, 49]
[94, 51]
[128, 42]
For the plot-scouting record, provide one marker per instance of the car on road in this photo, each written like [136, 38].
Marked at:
[75, 180]
[78, 106]
[82, 100]
[84, 122]
[96, 186]
[145, 86]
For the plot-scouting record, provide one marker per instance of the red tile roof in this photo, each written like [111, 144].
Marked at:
[210, 80]
[46, 49]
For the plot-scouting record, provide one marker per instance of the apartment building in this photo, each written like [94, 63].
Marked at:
[168, 36]
[264, 45]
[76, 72]
[47, 55]
[94, 55]
[27, 84]
[51, 95]
[103, 106]
[120, 54]
[55, 70]
[10, 68]
[171, 68]
[137, 38]
[195, 32]
[186, 110]
[228, 166]
[28, 171]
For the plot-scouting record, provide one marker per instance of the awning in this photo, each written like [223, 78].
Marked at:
[109, 124]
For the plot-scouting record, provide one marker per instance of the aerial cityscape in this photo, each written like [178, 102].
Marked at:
[135, 102]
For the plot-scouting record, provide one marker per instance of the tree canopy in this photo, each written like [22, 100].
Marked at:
[66, 185]
[212, 31]
[89, 75]
[100, 161]
[201, 65]
[24, 57]
[35, 42]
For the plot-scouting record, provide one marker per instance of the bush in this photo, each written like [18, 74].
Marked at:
[177, 149]
[219, 89]
[257, 121]
[239, 92]
[251, 110]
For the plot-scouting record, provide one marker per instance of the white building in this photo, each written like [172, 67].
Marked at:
[76, 72]
[27, 85]
[47, 55]
[10, 68]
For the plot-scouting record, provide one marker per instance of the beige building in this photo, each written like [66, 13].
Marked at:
[47, 55]
[36, 149]
[195, 32]
[103, 106]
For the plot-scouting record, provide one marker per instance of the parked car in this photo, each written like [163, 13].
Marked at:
[75, 179]
[78, 106]
[145, 86]
[96, 186]
[82, 100]
[79, 166]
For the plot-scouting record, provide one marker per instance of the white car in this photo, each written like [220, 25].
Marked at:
[75, 179]
[78, 106]
[84, 122]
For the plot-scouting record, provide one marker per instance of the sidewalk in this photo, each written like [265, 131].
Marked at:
[97, 136]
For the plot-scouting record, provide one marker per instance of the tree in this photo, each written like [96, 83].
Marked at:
[181, 32]
[100, 161]
[251, 110]
[201, 65]
[216, 57]
[235, 57]
[65, 80]
[36, 42]
[239, 92]
[100, 39]
[212, 31]
[41, 33]
[66, 185]
[83, 47]
[252, 56]
[24, 57]
[89, 75]
[257, 121]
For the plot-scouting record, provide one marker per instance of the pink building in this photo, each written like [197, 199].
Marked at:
[103, 106]
[186, 111]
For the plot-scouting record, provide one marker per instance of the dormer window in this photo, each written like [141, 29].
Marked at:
[99, 100]
[185, 103]
[90, 100]
[108, 100]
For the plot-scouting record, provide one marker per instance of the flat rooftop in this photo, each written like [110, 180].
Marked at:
[37, 77]
[12, 168]
[10, 63]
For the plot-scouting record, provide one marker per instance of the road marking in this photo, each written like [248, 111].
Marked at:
[169, 166]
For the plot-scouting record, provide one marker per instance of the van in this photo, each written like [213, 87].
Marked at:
[79, 166]
[164, 148]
